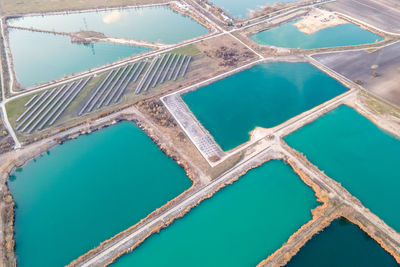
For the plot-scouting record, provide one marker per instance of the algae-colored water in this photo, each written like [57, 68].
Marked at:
[353, 151]
[289, 36]
[239, 226]
[42, 57]
[241, 9]
[156, 24]
[265, 95]
[86, 191]
[342, 244]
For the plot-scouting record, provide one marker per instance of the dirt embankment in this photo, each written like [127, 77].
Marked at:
[189, 12]
[86, 37]
[322, 216]
[383, 115]
[272, 8]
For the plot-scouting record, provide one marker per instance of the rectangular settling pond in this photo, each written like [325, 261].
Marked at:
[154, 24]
[289, 36]
[265, 95]
[41, 57]
[240, 9]
[239, 226]
[342, 244]
[86, 191]
[353, 151]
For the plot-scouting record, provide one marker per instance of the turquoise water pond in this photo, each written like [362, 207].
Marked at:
[87, 190]
[239, 226]
[288, 36]
[354, 152]
[240, 9]
[265, 95]
[156, 24]
[42, 57]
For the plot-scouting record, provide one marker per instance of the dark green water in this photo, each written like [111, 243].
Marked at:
[289, 36]
[156, 24]
[86, 191]
[353, 151]
[265, 95]
[342, 244]
[239, 226]
[42, 57]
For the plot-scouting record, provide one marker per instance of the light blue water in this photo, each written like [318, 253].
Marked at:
[42, 57]
[353, 151]
[289, 36]
[239, 226]
[86, 191]
[157, 24]
[265, 95]
[240, 8]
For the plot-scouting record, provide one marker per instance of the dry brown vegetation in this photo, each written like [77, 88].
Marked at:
[158, 112]
[10, 7]
[230, 56]
[6, 142]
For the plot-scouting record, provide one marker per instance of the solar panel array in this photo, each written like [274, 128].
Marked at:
[46, 108]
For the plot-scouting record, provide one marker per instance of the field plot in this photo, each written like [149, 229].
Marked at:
[384, 14]
[27, 6]
[377, 71]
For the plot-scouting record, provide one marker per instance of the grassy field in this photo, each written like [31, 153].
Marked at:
[379, 106]
[9, 7]
[189, 50]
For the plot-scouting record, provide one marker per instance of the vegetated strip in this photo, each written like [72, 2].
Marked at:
[112, 86]
[57, 92]
[168, 67]
[161, 71]
[69, 90]
[140, 85]
[30, 100]
[154, 73]
[102, 90]
[179, 68]
[186, 66]
[33, 127]
[70, 100]
[37, 106]
[138, 70]
[94, 94]
[116, 88]
[173, 68]
[31, 106]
